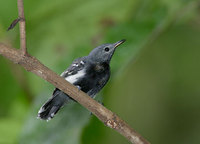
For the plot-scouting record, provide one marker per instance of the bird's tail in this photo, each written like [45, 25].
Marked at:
[51, 107]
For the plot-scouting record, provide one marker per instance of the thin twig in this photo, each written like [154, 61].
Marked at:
[22, 26]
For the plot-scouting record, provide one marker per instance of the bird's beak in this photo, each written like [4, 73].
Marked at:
[119, 43]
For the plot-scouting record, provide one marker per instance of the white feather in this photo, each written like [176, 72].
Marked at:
[76, 65]
[82, 62]
[41, 110]
[73, 78]
[52, 115]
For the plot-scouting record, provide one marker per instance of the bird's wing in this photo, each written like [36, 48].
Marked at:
[77, 65]
[102, 83]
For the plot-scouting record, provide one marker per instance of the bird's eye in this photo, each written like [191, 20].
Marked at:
[106, 49]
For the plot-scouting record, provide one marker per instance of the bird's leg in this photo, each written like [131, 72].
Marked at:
[79, 88]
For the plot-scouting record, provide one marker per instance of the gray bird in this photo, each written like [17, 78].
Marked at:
[89, 74]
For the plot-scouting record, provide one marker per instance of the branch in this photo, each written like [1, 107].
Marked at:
[33, 65]
[22, 26]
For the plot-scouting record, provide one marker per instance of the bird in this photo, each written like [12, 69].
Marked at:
[89, 74]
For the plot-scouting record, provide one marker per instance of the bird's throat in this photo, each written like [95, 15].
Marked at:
[100, 67]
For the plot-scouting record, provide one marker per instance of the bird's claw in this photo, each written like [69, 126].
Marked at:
[79, 88]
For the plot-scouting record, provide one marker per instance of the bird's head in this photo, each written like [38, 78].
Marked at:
[104, 53]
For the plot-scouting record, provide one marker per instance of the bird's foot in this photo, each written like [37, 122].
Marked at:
[79, 88]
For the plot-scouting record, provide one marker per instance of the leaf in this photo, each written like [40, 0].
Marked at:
[13, 24]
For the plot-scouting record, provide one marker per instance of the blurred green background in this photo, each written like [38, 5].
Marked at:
[155, 82]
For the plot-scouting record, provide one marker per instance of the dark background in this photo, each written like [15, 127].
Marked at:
[155, 82]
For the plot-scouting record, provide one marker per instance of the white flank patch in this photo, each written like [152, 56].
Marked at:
[73, 78]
